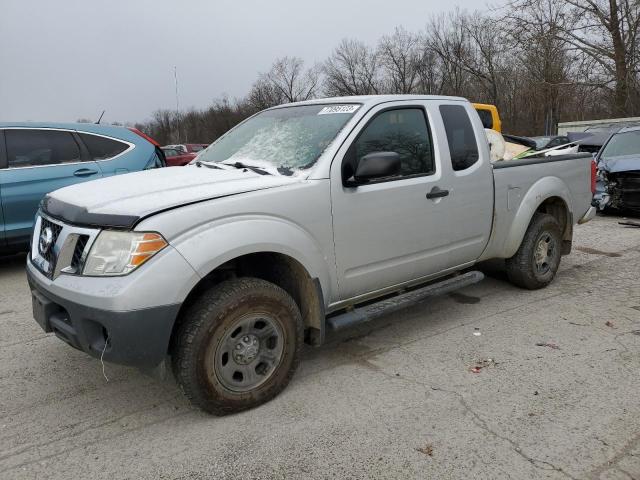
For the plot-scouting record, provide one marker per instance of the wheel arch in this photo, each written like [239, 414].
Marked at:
[278, 268]
[548, 195]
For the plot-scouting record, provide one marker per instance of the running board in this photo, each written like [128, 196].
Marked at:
[390, 305]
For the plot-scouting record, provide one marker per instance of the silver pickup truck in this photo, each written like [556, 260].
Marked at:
[304, 218]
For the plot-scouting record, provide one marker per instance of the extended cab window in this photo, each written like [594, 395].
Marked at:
[32, 148]
[403, 131]
[460, 136]
[101, 148]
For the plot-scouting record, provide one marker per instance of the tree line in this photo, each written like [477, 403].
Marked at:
[539, 61]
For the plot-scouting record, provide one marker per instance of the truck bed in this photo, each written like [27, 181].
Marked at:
[519, 187]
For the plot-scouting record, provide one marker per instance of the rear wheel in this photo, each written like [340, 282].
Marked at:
[537, 260]
[238, 345]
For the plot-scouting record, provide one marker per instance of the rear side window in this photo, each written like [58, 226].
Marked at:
[403, 131]
[485, 118]
[34, 148]
[462, 141]
[101, 148]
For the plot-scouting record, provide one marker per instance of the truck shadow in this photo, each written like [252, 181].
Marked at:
[14, 260]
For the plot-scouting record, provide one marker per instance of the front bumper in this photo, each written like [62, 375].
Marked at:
[137, 338]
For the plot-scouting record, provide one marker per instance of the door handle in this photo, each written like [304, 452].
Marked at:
[85, 172]
[437, 193]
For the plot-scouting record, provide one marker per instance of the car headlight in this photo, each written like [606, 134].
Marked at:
[119, 253]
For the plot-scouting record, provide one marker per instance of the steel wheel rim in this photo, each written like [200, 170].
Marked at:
[544, 253]
[249, 352]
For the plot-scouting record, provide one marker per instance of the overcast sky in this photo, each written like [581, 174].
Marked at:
[68, 59]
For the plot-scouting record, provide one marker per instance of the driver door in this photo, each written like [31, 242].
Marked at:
[388, 232]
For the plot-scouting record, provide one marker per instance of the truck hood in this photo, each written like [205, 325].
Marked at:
[123, 200]
[623, 163]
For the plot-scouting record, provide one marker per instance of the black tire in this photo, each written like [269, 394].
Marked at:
[206, 331]
[522, 269]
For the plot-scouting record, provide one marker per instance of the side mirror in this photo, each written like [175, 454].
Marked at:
[376, 165]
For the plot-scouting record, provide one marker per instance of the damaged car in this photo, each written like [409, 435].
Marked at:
[618, 185]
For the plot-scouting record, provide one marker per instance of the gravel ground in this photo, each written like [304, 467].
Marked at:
[395, 399]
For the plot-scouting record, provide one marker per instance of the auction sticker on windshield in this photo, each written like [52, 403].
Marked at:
[338, 109]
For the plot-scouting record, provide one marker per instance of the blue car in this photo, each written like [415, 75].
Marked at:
[37, 158]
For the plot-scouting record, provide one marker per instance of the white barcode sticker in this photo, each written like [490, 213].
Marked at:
[338, 109]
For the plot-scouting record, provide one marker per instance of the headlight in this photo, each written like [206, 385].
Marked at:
[119, 253]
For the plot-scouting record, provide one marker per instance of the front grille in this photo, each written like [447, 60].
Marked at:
[46, 244]
[625, 190]
[78, 254]
[59, 248]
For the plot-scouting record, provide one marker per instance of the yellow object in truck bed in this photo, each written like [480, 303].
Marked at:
[489, 116]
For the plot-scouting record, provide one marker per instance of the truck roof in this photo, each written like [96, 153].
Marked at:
[370, 100]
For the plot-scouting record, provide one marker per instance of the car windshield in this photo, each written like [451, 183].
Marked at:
[284, 140]
[541, 142]
[626, 143]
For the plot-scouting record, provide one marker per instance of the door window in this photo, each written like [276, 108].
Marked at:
[101, 148]
[34, 148]
[404, 131]
[460, 136]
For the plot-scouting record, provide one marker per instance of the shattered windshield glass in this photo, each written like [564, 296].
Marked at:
[284, 140]
[541, 142]
[627, 143]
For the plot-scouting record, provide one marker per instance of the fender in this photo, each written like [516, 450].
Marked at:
[215, 243]
[540, 191]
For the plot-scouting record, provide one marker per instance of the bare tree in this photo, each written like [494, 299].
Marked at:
[539, 61]
[605, 31]
[289, 80]
[264, 94]
[445, 38]
[429, 71]
[352, 69]
[483, 54]
[543, 57]
[400, 56]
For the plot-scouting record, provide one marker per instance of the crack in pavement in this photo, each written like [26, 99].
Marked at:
[66, 436]
[76, 447]
[613, 461]
[479, 421]
[537, 463]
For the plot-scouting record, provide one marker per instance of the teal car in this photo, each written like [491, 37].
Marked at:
[37, 158]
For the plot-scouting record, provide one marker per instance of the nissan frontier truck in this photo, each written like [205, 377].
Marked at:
[305, 218]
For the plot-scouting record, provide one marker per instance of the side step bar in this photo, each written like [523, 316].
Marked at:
[389, 305]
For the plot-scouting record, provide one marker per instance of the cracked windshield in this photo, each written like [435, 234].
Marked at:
[284, 140]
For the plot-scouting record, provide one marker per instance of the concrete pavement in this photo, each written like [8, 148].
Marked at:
[396, 399]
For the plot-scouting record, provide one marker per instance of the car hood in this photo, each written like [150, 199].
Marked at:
[623, 163]
[121, 201]
[596, 139]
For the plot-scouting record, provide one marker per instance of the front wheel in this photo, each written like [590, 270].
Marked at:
[238, 345]
[537, 260]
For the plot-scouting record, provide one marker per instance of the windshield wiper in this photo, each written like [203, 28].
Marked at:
[249, 167]
[207, 164]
